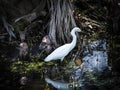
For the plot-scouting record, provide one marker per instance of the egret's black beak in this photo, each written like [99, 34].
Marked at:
[84, 33]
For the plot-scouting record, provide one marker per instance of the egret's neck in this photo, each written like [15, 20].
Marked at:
[73, 43]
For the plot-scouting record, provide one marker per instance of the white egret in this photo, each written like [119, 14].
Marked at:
[63, 50]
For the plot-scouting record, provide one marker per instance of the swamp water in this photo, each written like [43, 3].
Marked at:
[93, 74]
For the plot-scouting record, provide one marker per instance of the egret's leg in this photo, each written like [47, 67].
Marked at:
[62, 59]
[60, 64]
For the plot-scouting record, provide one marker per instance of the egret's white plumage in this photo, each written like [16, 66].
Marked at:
[63, 50]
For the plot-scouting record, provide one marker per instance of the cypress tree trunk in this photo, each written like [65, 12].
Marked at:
[61, 21]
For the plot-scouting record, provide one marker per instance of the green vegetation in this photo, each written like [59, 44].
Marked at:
[26, 67]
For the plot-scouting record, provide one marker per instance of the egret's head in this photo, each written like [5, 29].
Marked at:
[77, 29]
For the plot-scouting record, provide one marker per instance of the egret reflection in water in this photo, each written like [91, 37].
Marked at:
[57, 85]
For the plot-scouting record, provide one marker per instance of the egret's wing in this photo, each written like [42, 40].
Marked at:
[61, 49]
[58, 53]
